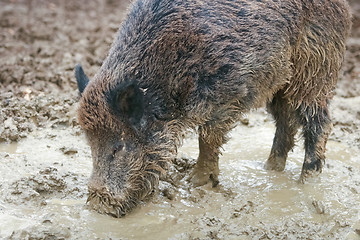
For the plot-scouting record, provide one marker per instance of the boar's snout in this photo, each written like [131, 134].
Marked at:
[117, 204]
[111, 193]
[104, 201]
[117, 194]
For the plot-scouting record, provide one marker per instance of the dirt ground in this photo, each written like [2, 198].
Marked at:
[45, 161]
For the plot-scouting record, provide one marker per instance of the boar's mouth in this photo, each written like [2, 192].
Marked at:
[118, 197]
[105, 202]
[139, 188]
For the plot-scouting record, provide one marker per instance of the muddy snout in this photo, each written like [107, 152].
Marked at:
[104, 201]
[119, 194]
[106, 198]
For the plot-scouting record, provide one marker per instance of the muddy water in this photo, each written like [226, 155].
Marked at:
[43, 193]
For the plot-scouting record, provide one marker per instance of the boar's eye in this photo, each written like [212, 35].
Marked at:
[127, 99]
[118, 147]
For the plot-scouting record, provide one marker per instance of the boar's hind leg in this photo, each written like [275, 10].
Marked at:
[286, 127]
[207, 166]
[316, 129]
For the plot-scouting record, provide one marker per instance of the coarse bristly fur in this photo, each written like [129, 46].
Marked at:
[200, 64]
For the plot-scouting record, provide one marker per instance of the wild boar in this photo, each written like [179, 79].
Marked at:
[201, 64]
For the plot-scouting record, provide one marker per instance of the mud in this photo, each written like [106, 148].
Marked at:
[45, 162]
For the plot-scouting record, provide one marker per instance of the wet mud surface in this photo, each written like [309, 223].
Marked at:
[45, 162]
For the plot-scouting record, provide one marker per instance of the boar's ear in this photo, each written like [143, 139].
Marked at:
[81, 78]
[128, 100]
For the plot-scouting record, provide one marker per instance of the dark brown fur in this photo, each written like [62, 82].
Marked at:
[177, 65]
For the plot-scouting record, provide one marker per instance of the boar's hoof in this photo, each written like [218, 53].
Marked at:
[199, 177]
[275, 163]
[310, 170]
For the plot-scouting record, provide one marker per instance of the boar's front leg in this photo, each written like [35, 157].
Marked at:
[207, 166]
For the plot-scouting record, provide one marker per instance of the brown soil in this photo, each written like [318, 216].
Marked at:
[40, 43]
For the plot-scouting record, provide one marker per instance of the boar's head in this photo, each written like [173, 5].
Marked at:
[129, 145]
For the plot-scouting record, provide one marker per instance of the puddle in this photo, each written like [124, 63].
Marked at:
[8, 147]
[249, 202]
